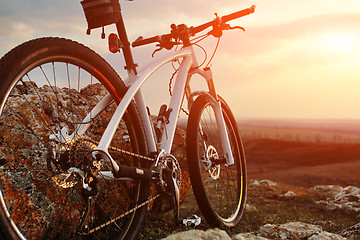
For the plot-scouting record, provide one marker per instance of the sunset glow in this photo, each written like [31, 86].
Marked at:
[296, 59]
[340, 42]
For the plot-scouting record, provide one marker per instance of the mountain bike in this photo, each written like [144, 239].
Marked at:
[82, 157]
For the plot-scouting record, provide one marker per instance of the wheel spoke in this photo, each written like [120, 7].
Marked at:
[220, 184]
[49, 95]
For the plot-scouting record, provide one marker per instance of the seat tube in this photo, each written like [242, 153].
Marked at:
[129, 60]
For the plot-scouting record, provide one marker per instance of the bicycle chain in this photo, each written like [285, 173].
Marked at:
[119, 217]
[89, 231]
[120, 150]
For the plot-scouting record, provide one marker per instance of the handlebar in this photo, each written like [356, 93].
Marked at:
[194, 30]
[224, 19]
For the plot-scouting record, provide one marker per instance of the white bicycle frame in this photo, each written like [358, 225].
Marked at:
[182, 81]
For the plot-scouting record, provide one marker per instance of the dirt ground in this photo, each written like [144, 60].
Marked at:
[303, 164]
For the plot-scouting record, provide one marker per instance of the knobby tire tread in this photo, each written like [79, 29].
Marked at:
[200, 193]
[18, 58]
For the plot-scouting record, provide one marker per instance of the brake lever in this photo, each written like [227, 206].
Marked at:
[157, 50]
[228, 27]
[217, 32]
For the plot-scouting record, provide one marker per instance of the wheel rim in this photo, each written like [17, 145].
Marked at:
[36, 205]
[222, 183]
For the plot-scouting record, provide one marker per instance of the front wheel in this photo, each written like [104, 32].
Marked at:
[219, 189]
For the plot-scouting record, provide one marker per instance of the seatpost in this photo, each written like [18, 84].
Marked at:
[129, 60]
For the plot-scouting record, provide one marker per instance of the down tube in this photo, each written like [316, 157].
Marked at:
[140, 79]
[175, 104]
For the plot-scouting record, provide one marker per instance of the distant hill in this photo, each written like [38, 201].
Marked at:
[334, 125]
[304, 164]
[325, 130]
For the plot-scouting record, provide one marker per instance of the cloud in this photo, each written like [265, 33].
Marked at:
[305, 43]
[284, 62]
[281, 55]
[13, 33]
[256, 40]
[155, 17]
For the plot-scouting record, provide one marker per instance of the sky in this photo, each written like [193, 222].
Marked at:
[296, 59]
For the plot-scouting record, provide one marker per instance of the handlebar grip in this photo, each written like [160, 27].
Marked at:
[239, 14]
[193, 30]
[139, 42]
[225, 18]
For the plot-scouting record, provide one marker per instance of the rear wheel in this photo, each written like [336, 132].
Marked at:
[48, 86]
[219, 189]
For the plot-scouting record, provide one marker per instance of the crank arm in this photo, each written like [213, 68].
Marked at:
[123, 171]
[83, 228]
[133, 173]
[173, 190]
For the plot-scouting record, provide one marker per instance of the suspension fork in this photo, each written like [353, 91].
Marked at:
[216, 104]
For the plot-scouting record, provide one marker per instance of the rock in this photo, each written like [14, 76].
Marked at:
[247, 236]
[341, 198]
[325, 236]
[250, 208]
[295, 230]
[290, 231]
[328, 189]
[211, 234]
[289, 194]
[263, 182]
[351, 232]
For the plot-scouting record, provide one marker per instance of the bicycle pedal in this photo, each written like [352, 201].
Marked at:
[192, 221]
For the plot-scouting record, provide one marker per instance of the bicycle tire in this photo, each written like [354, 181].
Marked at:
[220, 190]
[48, 84]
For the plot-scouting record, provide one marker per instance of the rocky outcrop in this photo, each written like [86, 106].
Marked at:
[346, 198]
[288, 231]
[351, 232]
[295, 230]
[263, 182]
[337, 197]
[211, 234]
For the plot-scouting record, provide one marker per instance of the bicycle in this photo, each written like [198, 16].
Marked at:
[82, 157]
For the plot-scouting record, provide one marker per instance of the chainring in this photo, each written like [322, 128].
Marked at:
[170, 163]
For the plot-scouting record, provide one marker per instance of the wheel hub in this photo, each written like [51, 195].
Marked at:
[75, 159]
[212, 154]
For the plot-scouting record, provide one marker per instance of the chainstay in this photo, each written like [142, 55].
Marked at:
[120, 216]
[97, 228]
[121, 150]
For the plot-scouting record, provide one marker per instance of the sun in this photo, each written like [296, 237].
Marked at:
[338, 42]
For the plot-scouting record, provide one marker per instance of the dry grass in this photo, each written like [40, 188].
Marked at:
[271, 206]
[295, 166]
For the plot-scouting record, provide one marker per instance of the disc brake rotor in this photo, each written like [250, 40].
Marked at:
[212, 154]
